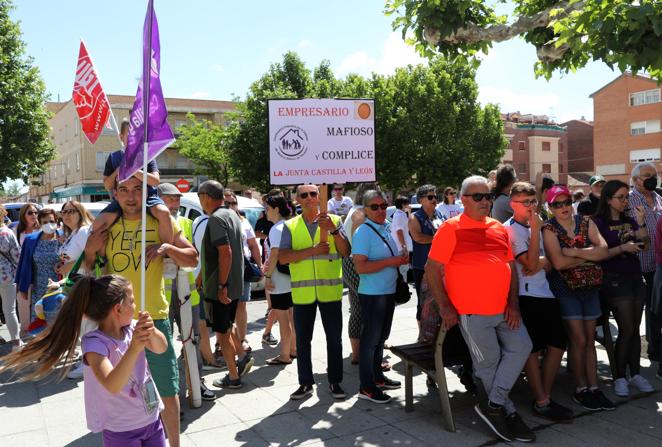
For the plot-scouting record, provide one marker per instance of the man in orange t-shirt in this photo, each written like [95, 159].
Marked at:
[471, 273]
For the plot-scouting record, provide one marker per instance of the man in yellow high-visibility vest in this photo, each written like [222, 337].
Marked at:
[316, 276]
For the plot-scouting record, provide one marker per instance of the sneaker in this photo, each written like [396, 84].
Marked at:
[587, 400]
[518, 429]
[602, 400]
[206, 393]
[388, 384]
[301, 392]
[621, 387]
[211, 366]
[377, 396]
[495, 418]
[269, 339]
[642, 384]
[76, 372]
[553, 411]
[246, 347]
[336, 391]
[244, 365]
[227, 382]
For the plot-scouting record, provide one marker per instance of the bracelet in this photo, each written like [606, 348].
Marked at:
[222, 286]
[334, 232]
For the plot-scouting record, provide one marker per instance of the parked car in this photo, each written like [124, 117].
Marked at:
[190, 207]
[94, 208]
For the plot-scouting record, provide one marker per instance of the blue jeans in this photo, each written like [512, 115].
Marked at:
[377, 313]
[304, 323]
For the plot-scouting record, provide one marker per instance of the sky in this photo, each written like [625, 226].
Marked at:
[216, 49]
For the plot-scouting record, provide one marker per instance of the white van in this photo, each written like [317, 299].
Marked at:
[94, 208]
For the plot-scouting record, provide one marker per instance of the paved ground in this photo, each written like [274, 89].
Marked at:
[52, 414]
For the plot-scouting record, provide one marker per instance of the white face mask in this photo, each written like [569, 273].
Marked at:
[49, 228]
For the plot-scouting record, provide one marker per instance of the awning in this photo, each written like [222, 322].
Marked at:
[78, 190]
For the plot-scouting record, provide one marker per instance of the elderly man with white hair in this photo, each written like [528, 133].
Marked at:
[644, 182]
[471, 273]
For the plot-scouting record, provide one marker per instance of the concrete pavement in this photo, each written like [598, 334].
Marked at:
[48, 413]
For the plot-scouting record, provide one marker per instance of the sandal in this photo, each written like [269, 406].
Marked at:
[277, 361]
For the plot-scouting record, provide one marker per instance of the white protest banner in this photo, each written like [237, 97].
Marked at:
[321, 140]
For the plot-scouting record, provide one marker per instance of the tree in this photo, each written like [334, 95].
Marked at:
[24, 129]
[429, 126]
[11, 189]
[205, 143]
[625, 34]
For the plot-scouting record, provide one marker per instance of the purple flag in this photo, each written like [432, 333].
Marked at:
[159, 134]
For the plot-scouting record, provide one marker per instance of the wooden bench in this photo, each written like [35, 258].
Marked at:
[431, 359]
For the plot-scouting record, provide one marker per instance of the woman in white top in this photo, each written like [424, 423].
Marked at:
[449, 207]
[278, 282]
[76, 224]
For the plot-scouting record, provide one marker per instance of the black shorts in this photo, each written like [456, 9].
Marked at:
[622, 287]
[542, 318]
[281, 301]
[223, 316]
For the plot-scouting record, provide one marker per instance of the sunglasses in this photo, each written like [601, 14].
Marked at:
[338, 189]
[451, 194]
[69, 211]
[230, 203]
[31, 213]
[478, 197]
[559, 205]
[429, 197]
[527, 202]
[304, 195]
[376, 207]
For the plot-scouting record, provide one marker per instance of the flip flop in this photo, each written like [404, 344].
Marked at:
[276, 361]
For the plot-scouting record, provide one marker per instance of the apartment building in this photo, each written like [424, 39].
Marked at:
[77, 170]
[627, 114]
[535, 144]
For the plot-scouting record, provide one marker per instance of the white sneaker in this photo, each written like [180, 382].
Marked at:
[621, 388]
[76, 372]
[642, 384]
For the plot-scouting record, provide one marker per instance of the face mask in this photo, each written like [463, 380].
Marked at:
[49, 228]
[650, 183]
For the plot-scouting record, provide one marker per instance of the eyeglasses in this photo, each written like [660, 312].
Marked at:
[338, 189]
[621, 198]
[230, 203]
[527, 202]
[304, 195]
[68, 211]
[479, 196]
[31, 213]
[375, 207]
[559, 205]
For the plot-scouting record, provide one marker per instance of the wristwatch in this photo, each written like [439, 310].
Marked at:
[222, 286]
[334, 232]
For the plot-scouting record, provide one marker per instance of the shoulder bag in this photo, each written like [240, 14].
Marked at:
[402, 294]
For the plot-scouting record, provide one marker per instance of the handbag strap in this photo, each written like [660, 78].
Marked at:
[381, 237]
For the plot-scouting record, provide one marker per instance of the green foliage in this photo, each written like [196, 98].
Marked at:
[24, 141]
[624, 34]
[206, 144]
[429, 126]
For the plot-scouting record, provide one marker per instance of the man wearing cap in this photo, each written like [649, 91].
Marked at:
[171, 196]
[589, 205]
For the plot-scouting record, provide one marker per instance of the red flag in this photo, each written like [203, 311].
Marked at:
[91, 103]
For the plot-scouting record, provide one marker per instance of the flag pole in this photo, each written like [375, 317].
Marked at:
[147, 66]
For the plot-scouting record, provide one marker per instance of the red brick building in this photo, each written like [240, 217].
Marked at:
[627, 114]
[580, 146]
[536, 144]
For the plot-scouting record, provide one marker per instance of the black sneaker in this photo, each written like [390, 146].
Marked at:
[269, 339]
[206, 393]
[377, 396]
[587, 400]
[495, 418]
[388, 384]
[602, 400]
[518, 429]
[244, 365]
[227, 382]
[553, 411]
[301, 392]
[336, 391]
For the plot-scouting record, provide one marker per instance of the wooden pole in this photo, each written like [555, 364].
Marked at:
[324, 235]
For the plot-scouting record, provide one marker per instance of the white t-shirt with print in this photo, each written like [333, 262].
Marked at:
[74, 246]
[247, 234]
[340, 207]
[280, 280]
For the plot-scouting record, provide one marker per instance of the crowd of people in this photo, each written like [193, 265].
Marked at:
[523, 272]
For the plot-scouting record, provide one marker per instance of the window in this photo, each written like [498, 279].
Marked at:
[162, 160]
[547, 168]
[101, 160]
[645, 97]
[644, 127]
[522, 168]
[560, 147]
[561, 171]
[193, 214]
[522, 146]
[645, 155]
[181, 162]
[546, 146]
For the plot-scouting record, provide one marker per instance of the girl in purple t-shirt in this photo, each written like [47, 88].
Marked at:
[121, 400]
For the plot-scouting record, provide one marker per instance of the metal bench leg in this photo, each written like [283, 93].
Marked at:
[447, 412]
[409, 387]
